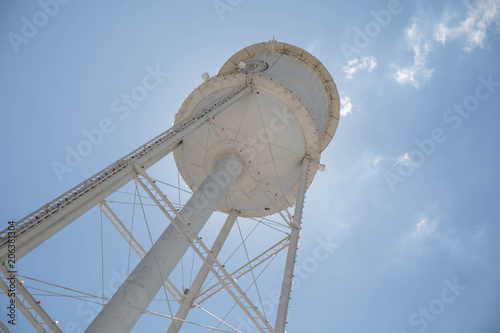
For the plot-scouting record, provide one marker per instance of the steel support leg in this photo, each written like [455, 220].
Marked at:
[183, 311]
[127, 235]
[4, 328]
[292, 251]
[203, 252]
[133, 297]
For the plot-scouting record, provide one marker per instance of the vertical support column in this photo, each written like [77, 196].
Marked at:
[183, 311]
[292, 250]
[133, 297]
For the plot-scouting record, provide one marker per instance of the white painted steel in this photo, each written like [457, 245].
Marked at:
[3, 327]
[292, 251]
[291, 111]
[301, 72]
[281, 111]
[218, 270]
[195, 288]
[134, 244]
[240, 272]
[32, 311]
[46, 221]
[133, 297]
[24, 310]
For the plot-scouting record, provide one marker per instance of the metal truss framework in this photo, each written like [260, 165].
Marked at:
[28, 306]
[195, 296]
[206, 256]
[37, 227]
[3, 327]
[292, 250]
[240, 272]
[46, 221]
[141, 252]
[195, 288]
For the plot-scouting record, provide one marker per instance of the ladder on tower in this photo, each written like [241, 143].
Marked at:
[44, 222]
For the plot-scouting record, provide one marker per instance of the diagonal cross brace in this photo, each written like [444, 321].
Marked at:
[257, 261]
[195, 287]
[49, 219]
[3, 327]
[141, 252]
[35, 306]
[137, 292]
[195, 239]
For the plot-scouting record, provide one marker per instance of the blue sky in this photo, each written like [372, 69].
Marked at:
[408, 201]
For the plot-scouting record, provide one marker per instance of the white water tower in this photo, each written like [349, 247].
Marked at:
[247, 142]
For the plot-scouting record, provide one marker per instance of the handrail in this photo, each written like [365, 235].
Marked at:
[55, 206]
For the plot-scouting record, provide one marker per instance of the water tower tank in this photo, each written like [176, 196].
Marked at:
[291, 110]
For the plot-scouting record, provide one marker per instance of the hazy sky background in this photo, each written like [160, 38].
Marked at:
[410, 192]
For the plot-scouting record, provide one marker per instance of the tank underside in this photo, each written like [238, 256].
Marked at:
[269, 130]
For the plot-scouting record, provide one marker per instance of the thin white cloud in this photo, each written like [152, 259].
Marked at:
[424, 231]
[366, 168]
[425, 31]
[376, 160]
[369, 166]
[345, 106]
[423, 228]
[405, 160]
[356, 65]
[480, 16]
[416, 74]
[431, 231]
[379, 163]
